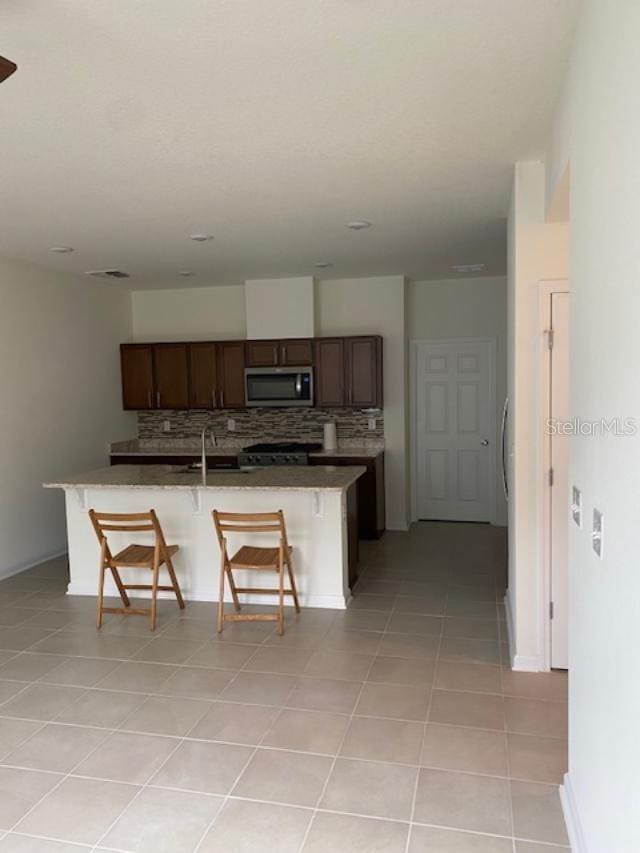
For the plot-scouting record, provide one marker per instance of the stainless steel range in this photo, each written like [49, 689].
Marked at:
[277, 453]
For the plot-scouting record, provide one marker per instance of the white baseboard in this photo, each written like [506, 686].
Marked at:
[572, 817]
[333, 602]
[519, 663]
[9, 573]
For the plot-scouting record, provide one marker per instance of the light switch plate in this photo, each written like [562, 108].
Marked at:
[576, 505]
[372, 424]
[597, 532]
[231, 425]
[166, 426]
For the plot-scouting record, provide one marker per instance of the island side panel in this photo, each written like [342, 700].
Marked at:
[317, 527]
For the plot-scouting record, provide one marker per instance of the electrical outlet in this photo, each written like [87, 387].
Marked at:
[576, 506]
[372, 424]
[166, 426]
[597, 532]
[231, 425]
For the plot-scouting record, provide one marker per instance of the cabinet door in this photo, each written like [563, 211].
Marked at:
[364, 372]
[136, 362]
[203, 376]
[296, 352]
[231, 359]
[262, 353]
[170, 367]
[329, 372]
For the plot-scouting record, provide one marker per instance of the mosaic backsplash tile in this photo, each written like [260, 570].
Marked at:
[260, 424]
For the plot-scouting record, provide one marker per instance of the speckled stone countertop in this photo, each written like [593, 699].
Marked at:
[135, 447]
[280, 478]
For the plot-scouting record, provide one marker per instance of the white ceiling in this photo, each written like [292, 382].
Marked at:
[270, 123]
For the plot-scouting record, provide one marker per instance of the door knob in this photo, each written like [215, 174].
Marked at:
[484, 442]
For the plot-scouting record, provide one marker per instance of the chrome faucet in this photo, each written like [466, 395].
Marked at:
[205, 430]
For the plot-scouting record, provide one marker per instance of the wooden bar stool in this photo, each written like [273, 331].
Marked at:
[256, 559]
[134, 557]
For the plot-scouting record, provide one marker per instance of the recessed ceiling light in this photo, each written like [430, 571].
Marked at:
[322, 265]
[185, 273]
[358, 225]
[468, 267]
[61, 250]
[201, 238]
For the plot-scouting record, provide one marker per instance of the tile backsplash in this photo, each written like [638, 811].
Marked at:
[260, 424]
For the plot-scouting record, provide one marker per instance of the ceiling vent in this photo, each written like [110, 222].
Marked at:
[108, 273]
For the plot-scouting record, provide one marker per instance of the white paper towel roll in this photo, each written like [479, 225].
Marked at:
[330, 436]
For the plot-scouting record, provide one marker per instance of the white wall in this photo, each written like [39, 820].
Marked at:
[361, 306]
[192, 313]
[465, 308]
[61, 404]
[599, 127]
[537, 251]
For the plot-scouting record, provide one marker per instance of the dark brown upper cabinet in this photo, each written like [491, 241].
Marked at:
[291, 352]
[203, 376]
[349, 372]
[136, 361]
[296, 352]
[171, 374]
[329, 372]
[231, 362]
[363, 362]
[262, 353]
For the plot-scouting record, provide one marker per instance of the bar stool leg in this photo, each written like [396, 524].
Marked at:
[294, 589]
[281, 590]
[103, 551]
[174, 582]
[154, 591]
[223, 569]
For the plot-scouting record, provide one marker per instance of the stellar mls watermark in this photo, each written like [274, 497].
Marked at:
[618, 427]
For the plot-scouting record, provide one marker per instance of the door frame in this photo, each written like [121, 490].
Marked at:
[414, 345]
[546, 288]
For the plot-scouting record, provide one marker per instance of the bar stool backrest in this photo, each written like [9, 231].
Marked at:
[257, 522]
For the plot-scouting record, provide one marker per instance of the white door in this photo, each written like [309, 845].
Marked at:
[559, 490]
[455, 429]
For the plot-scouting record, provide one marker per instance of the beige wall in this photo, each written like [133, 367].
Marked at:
[537, 251]
[193, 313]
[60, 386]
[465, 308]
[597, 130]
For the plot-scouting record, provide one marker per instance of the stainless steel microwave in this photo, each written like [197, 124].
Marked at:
[278, 386]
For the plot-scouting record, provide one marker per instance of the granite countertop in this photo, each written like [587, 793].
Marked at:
[135, 447]
[280, 478]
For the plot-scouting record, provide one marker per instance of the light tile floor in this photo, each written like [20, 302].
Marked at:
[394, 726]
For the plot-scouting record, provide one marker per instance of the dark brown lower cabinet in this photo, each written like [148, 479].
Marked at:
[353, 534]
[371, 502]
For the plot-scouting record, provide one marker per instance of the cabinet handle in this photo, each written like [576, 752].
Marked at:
[275, 354]
[222, 399]
[157, 399]
[149, 403]
[284, 353]
[213, 400]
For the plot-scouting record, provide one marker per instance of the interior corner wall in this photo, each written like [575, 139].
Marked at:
[536, 250]
[598, 128]
[361, 306]
[60, 382]
[466, 308]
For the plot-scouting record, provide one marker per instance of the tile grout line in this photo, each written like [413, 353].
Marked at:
[342, 742]
[424, 735]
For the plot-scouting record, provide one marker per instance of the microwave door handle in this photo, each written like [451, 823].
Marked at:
[299, 385]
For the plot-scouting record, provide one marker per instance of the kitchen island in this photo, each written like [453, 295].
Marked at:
[319, 504]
